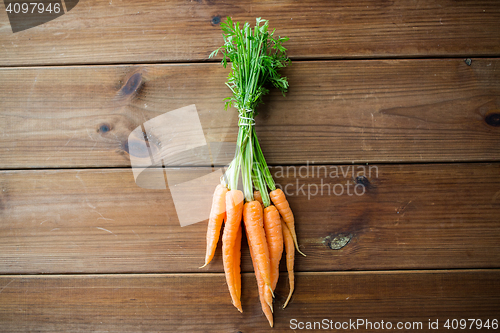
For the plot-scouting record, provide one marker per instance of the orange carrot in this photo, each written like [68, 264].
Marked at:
[234, 209]
[279, 200]
[237, 262]
[254, 226]
[217, 215]
[262, 291]
[290, 257]
[265, 292]
[274, 237]
[258, 197]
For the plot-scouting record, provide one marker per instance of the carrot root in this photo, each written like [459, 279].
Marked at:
[254, 225]
[266, 308]
[281, 203]
[298, 250]
[237, 263]
[217, 215]
[290, 257]
[274, 237]
[230, 259]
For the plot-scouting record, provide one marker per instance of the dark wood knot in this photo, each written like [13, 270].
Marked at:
[493, 119]
[132, 84]
[215, 20]
[362, 180]
[337, 241]
[124, 146]
[104, 128]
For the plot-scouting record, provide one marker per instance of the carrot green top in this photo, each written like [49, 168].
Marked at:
[256, 56]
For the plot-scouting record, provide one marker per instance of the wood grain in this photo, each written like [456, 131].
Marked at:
[335, 112]
[409, 217]
[200, 302]
[84, 248]
[153, 31]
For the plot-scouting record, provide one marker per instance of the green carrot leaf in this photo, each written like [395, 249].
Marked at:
[256, 56]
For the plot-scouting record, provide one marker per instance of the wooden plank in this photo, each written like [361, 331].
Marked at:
[201, 302]
[154, 31]
[357, 111]
[406, 217]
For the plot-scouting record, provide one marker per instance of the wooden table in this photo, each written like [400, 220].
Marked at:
[410, 89]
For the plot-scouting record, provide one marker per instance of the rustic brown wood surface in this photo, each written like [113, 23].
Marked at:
[200, 302]
[335, 112]
[398, 101]
[158, 31]
[409, 217]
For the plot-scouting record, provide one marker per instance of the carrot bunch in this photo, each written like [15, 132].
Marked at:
[256, 56]
[267, 236]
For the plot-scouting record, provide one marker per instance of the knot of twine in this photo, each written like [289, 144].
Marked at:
[246, 121]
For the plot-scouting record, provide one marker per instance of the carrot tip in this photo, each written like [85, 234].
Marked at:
[272, 293]
[270, 306]
[301, 252]
[286, 303]
[288, 298]
[238, 307]
[203, 265]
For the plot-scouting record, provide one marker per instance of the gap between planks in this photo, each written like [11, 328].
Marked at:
[205, 274]
[208, 61]
[373, 163]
